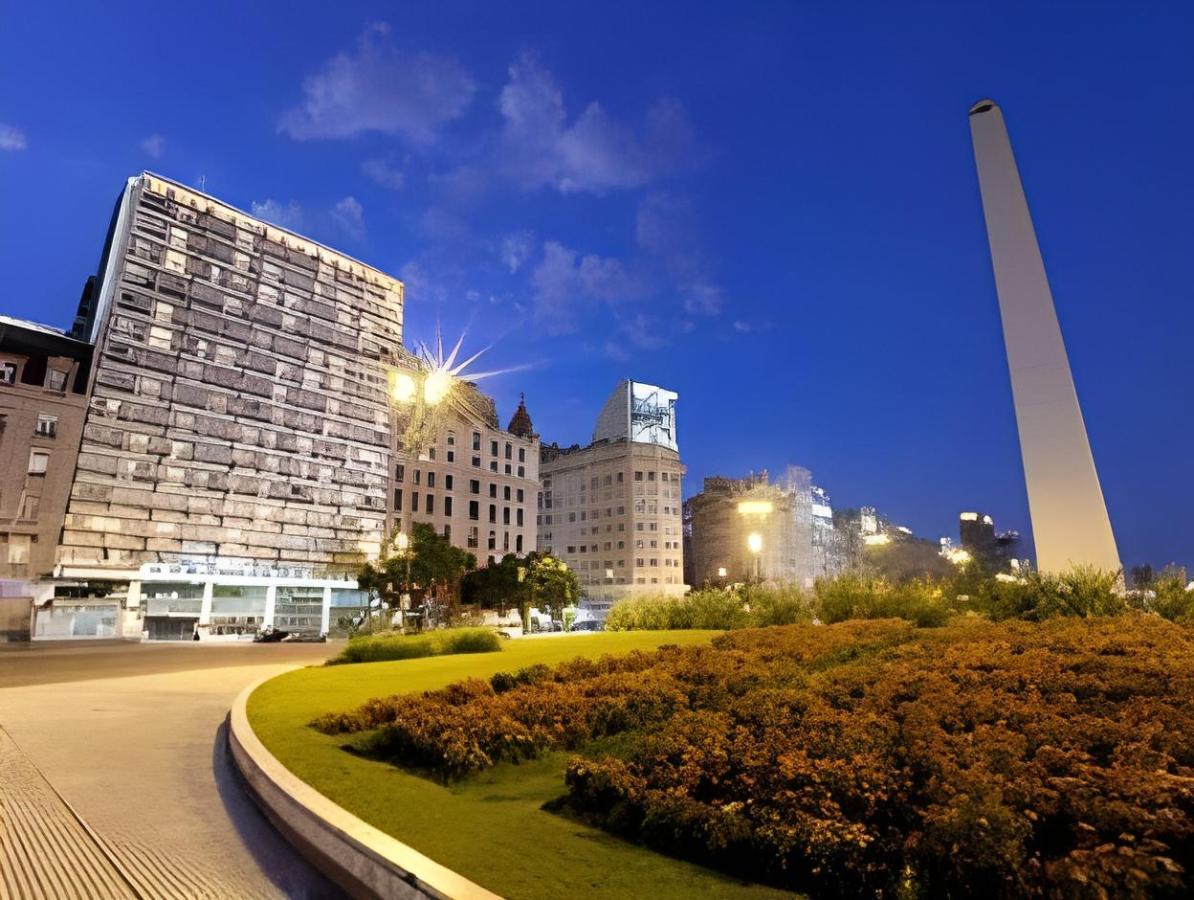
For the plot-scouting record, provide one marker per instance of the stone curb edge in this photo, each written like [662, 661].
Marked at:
[361, 859]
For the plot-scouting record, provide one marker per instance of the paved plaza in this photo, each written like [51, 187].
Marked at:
[115, 779]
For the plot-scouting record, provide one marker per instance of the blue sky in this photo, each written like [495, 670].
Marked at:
[770, 208]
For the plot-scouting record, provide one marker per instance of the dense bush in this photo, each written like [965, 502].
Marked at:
[869, 757]
[711, 608]
[380, 647]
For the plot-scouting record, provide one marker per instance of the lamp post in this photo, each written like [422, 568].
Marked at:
[754, 543]
[418, 394]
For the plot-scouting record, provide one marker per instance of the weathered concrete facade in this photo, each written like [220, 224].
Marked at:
[238, 406]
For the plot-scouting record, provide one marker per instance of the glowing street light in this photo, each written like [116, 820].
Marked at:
[403, 388]
[402, 542]
[754, 542]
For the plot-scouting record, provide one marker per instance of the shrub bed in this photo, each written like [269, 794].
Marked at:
[382, 647]
[979, 758]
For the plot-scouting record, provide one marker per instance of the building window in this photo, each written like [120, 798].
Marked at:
[522, 454]
[473, 539]
[492, 513]
[447, 506]
[493, 448]
[638, 476]
[474, 510]
[520, 495]
[493, 540]
[509, 451]
[398, 498]
[30, 507]
[506, 493]
[505, 542]
[400, 473]
[47, 426]
[518, 515]
[430, 504]
[507, 468]
[493, 491]
[18, 548]
[451, 456]
[476, 441]
[418, 476]
[505, 515]
[39, 461]
[414, 501]
[451, 439]
[55, 380]
[620, 479]
[493, 466]
[477, 461]
[449, 482]
[474, 486]
[8, 373]
[522, 473]
[518, 543]
[430, 479]
[448, 533]
[431, 453]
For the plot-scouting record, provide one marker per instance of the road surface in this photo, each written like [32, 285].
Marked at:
[115, 780]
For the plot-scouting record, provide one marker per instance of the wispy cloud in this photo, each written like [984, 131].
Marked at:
[348, 216]
[593, 153]
[377, 87]
[286, 216]
[383, 173]
[12, 138]
[665, 228]
[516, 250]
[154, 146]
[566, 283]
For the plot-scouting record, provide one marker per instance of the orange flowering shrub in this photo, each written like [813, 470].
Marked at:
[869, 757]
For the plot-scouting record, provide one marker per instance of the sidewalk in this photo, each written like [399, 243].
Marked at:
[45, 852]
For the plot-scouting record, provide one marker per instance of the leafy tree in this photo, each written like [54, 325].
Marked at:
[498, 585]
[553, 585]
[431, 567]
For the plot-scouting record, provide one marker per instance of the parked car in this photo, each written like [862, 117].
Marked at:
[270, 635]
[588, 625]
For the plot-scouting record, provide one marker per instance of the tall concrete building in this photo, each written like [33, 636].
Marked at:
[1070, 525]
[612, 510]
[756, 529]
[235, 457]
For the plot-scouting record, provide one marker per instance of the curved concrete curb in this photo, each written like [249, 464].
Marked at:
[363, 860]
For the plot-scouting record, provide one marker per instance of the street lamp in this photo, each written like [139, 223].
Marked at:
[754, 543]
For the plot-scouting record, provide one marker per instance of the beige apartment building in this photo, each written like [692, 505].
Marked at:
[612, 510]
[476, 484]
[43, 384]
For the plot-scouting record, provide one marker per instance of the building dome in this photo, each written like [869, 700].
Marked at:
[520, 423]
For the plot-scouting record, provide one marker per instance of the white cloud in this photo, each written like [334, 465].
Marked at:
[665, 229]
[154, 146]
[349, 217]
[516, 249]
[594, 153]
[383, 173]
[12, 138]
[566, 283]
[289, 216]
[743, 327]
[377, 88]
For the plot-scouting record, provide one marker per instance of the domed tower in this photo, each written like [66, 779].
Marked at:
[520, 423]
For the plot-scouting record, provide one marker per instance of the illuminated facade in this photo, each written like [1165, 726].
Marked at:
[753, 529]
[1070, 525]
[612, 510]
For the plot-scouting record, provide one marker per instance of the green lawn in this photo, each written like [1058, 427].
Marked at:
[489, 828]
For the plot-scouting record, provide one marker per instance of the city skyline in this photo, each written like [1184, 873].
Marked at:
[885, 376]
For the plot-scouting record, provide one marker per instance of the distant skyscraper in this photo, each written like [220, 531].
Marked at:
[1069, 517]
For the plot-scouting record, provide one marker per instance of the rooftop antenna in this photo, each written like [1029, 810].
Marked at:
[203, 183]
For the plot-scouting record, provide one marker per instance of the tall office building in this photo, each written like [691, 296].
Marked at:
[612, 510]
[235, 458]
[1070, 525]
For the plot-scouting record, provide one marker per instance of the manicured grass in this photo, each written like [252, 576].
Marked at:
[390, 647]
[490, 828]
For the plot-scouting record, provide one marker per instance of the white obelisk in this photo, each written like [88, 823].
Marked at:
[1070, 526]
